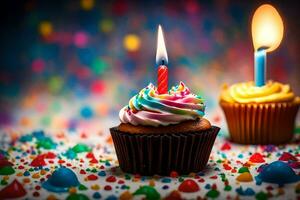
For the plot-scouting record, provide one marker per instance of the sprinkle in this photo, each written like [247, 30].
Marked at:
[111, 179]
[96, 195]
[226, 146]
[107, 187]
[126, 196]
[257, 158]
[92, 177]
[245, 177]
[188, 185]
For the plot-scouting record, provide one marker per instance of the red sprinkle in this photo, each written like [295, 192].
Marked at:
[173, 174]
[37, 187]
[13, 190]
[107, 187]
[38, 161]
[49, 155]
[174, 195]
[90, 155]
[121, 182]
[92, 177]
[214, 186]
[36, 194]
[213, 177]
[188, 185]
[287, 157]
[227, 167]
[201, 180]
[93, 160]
[111, 179]
[61, 161]
[257, 158]
[226, 146]
[82, 171]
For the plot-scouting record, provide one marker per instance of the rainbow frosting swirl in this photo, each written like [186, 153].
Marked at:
[248, 93]
[152, 109]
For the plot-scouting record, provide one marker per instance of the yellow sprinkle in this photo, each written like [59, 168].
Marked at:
[26, 180]
[72, 190]
[19, 174]
[126, 196]
[43, 172]
[131, 42]
[245, 177]
[135, 180]
[51, 197]
[36, 175]
[5, 178]
[152, 183]
[280, 191]
[95, 187]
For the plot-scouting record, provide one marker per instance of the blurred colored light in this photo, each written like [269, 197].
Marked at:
[87, 4]
[45, 28]
[80, 39]
[99, 66]
[55, 84]
[106, 25]
[86, 112]
[102, 109]
[97, 87]
[38, 65]
[132, 42]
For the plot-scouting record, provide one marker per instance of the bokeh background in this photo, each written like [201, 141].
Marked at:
[73, 64]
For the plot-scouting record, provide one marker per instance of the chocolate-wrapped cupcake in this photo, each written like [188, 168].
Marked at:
[161, 133]
[260, 115]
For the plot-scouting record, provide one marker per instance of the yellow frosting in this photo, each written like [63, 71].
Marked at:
[247, 92]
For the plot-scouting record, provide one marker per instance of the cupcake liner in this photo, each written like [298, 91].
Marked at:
[149, 154]
[263, 123]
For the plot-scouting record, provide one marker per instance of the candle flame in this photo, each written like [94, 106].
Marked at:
[267, 28]
[161, 51]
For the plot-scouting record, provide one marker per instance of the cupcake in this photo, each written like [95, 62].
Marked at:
[161, 133]
[260, 115]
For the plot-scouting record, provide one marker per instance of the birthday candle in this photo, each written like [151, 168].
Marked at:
[161, 60]
[267, 33]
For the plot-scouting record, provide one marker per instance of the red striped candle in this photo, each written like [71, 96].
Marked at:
[162, 79]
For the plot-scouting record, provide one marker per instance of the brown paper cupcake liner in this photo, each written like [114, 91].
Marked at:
[149, 154]
[264, 123]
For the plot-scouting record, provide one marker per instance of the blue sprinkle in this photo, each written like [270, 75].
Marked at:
[96, 195]
[102, 173]
[207, 186]
[26, 173]
[111, 197]
[38, 134]
[240, 156]
[25, 138]
[201, 174]
[165, 187]
[123, 187]
[247, 192]
[166, 180]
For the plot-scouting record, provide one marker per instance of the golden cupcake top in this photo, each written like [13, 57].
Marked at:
[247, 92]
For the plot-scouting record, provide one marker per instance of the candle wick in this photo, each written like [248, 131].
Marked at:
[263, 48]
[162, 62]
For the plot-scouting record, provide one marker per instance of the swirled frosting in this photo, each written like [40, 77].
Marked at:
[247, 92]
[153, 109]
